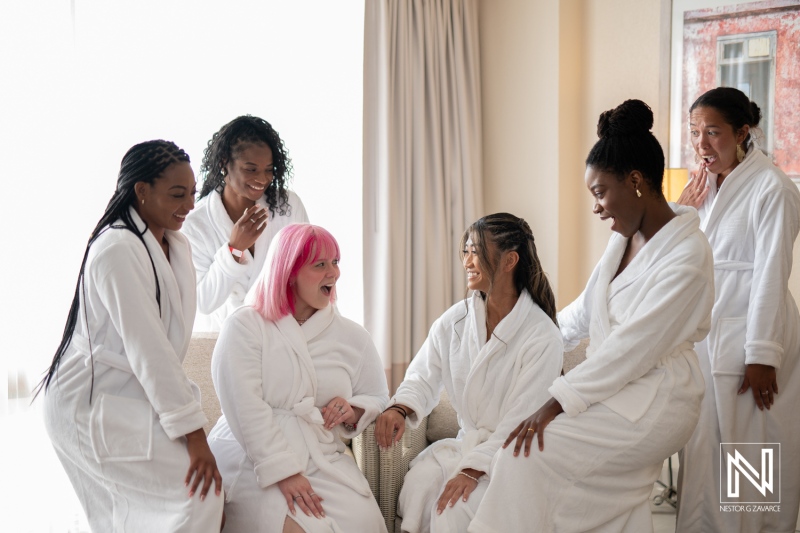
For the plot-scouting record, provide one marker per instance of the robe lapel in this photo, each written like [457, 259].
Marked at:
[172, 307]
[730, 188]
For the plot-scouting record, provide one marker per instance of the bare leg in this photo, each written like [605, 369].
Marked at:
[290, 526]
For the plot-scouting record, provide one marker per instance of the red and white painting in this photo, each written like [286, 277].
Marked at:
[754, 47]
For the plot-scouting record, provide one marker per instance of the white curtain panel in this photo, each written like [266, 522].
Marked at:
[422, 166]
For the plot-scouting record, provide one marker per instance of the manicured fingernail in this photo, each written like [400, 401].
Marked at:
[294, 513]
[202, 497]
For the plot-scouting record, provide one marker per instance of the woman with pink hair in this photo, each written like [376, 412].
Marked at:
[294, 379]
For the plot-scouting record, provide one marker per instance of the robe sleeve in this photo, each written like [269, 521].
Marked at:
[540, 363]
[236, 369]
[422, 385]
[776, 231]
[370, 391]
[673, 308]
[575, 318]
[126, 287]
[217, 270]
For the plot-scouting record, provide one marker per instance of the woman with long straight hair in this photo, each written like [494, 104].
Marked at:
[124, 419]
[495, 354]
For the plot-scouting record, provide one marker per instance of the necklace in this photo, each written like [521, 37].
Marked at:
[301, 321]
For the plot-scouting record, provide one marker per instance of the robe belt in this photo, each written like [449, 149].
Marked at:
[732, 265]
[311, 423]
[100, 354]
[472, 438]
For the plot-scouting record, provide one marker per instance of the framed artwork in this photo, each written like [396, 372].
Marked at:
[753, 46]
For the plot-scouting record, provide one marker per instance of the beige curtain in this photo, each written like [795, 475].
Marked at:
[422, 166]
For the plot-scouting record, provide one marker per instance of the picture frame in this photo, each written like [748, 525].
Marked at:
[753, 46]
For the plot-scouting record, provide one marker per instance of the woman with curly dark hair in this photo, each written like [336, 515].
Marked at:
[243, 203]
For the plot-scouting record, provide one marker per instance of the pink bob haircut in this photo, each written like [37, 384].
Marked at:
[295, 246]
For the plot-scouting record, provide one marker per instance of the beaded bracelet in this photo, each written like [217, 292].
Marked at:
[399, 410]
[462, 473]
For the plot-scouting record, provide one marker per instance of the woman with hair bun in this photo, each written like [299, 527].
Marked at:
[243, 203]
[494, 353]
[610, 423]
[124, 419]
[750, 212]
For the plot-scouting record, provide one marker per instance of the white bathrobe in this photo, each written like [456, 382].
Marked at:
[751, 223]
[272, 378]
[125, 453]
[629, 406]
[222, 283]
[493, 385]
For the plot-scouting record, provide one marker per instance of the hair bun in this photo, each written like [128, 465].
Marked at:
[756, 112]
[631, 117]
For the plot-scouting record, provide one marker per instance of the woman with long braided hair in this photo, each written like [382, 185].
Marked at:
[495, 354]
[610, 423]
[243, 204]
[124, 419]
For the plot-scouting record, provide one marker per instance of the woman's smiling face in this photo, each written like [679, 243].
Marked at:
[614, 199]
[250, 171]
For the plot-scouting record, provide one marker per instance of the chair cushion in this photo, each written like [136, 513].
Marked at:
[443, 421]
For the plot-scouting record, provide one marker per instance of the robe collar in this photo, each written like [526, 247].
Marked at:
[180, 290]
[682, 226]
[731, 186]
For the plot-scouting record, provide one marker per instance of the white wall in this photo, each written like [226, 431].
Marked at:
[548, 70]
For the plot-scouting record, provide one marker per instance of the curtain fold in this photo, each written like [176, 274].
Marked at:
[422, 166]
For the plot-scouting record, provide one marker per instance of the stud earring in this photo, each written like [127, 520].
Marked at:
[638, 193]
[739, 153]
[142, 201]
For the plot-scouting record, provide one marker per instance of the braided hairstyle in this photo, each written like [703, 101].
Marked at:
[511, 233]
[229, 141]
[145, 162]
[626, 144]
[734, 106]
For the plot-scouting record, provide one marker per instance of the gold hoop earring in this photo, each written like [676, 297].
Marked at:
[739, 153]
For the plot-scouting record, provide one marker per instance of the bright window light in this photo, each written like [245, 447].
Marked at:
[82, 82]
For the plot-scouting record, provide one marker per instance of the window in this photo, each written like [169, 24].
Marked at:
[747, 62]
[85, 80]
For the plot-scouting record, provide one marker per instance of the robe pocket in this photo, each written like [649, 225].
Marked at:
[728, 350]
[121, 429]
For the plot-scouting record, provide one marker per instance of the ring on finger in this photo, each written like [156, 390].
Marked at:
[298, 497]
[312, 493]
[531, 429]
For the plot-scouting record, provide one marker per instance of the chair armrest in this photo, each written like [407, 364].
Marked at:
[393, 468]
[365, 452]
